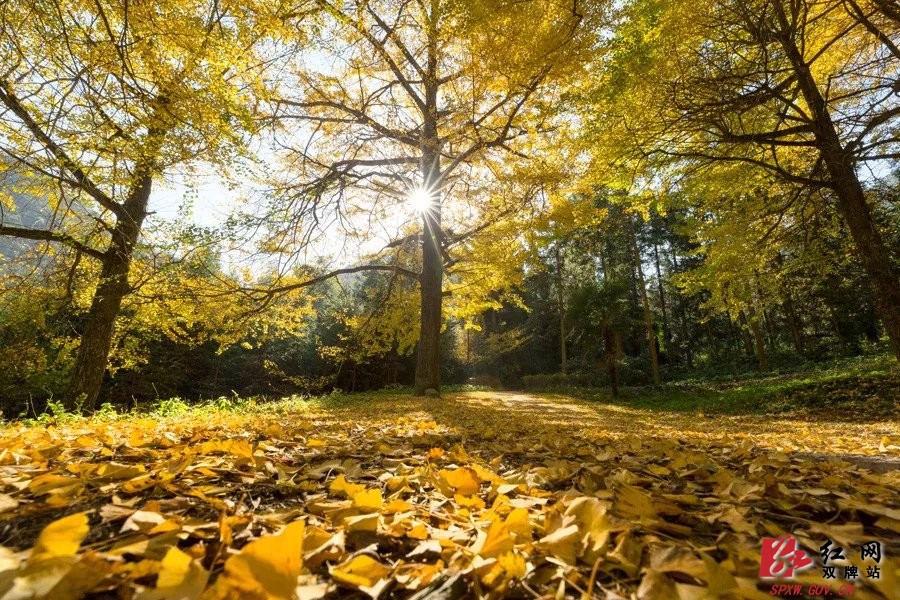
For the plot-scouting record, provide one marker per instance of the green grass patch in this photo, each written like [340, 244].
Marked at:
[847, 390]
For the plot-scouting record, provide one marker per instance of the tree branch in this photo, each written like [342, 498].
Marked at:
[50, 236]
[84, 182]
[270, 292]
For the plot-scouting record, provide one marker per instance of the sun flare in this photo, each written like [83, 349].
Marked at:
[420, 200]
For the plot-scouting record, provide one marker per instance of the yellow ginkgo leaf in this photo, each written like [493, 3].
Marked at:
[468, 501]
[564, 543]
[360, 571]
[590, 515]
[315, 537]
[238, 447]
[180, 578]
[434, 454]
[418, 532]
[719, 579]
[368, 500]
[51, 482]
[270, 565]
[514, 564]
[517, 522]
[497, 574]
[627, 553]
[656, 586]
[634, 501]
[397, 506]
[497, 541]
[485, 474]
[464, 480]
[117, 472]
[459, 454]
[341, 486]
[174, 568]
[365, 522]
[61, 537]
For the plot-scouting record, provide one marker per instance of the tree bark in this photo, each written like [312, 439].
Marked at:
[758, 343]
[851, 198]
[842, 338]
[562, 311]
[770, 329]
[684, 321]
[795, 324]
[745, 335]
[96, 340]
[428, 357]
[793, 321]
[611, 357]
[645, 301]
[662, 298]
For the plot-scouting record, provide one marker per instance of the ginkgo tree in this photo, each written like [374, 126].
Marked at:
[422, 106]
[804, 90]
[101, 99]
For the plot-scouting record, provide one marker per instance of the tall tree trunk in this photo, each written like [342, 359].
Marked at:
[96, 340]
[851, 197]
[562, 311]
[715, 349]
[667, 338]
[790, 312]
[428, 357]
[843, 340]
[793, 321]
[611, 357]
[645, 301]
[745, 335]
[684, 321]
[469, 348]
[770, 329]
[395, 365]
[758, 343]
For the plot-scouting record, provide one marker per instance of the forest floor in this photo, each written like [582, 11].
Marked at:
[473, 494]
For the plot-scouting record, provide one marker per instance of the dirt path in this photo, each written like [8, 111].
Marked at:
[862, 444]
[876, 444]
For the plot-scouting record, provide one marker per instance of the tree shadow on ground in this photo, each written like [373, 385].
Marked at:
[548, 419]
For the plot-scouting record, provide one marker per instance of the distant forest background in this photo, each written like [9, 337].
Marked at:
[813, 302]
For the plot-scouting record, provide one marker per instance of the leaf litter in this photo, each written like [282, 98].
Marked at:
[471, 495]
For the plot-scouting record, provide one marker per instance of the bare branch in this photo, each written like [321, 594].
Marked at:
[271, 292]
